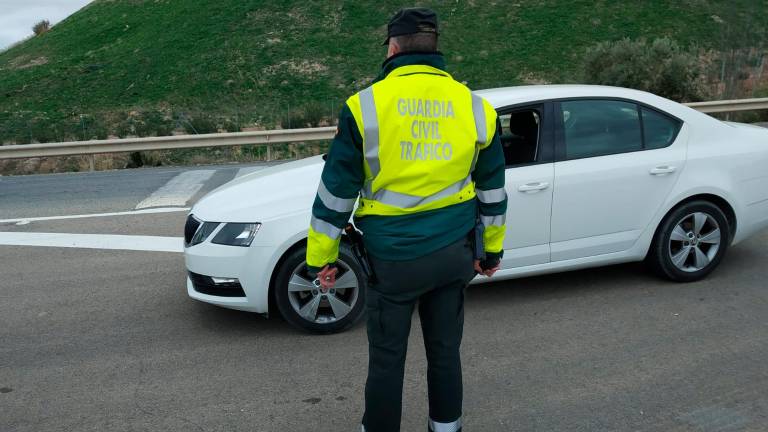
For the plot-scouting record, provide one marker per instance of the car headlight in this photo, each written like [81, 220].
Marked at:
[203, 232]
[237, 234]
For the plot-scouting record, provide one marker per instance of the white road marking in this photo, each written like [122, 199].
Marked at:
[94, 241]
[247, 170]
[178, 190]
[24, 221]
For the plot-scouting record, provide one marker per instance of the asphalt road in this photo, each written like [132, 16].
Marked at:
[97, 192]
[95, 340]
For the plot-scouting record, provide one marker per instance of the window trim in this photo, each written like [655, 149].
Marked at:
[546, 149]
[560, 149]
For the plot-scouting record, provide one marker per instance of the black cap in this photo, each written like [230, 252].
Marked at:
[410, 21]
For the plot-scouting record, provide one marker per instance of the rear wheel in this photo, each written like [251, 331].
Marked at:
[303, 303]
[691, 242]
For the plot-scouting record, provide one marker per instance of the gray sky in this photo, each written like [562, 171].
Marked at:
[18, 16]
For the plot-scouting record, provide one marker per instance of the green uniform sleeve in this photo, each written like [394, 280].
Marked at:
[491, 195]
[340, 184]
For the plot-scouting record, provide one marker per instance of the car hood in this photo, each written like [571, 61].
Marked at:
[264, 195]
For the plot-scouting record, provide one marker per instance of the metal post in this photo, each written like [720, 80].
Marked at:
[269, 153]
[92, 162]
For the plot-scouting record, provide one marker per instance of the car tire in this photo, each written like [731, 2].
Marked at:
[690, 242]
[299, 299]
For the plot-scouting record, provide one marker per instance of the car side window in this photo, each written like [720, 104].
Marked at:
[600, 127]
[660, 130]
[520, 136]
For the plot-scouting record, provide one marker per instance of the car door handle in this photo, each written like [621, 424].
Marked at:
[663, 170]
[533, 187]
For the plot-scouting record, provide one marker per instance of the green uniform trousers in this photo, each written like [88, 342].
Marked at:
[436, 283]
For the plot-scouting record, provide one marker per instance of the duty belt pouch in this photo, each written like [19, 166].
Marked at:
[358, 248]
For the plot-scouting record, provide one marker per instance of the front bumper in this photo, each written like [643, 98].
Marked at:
[251, 266]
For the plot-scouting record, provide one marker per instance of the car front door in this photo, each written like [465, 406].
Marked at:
[616, 163]
[527, 135]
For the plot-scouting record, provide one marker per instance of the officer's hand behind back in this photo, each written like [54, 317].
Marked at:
[487, 267]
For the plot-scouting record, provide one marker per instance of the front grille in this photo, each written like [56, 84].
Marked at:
[205, 285]
[190, 228]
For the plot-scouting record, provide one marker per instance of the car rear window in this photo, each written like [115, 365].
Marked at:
[660, 130]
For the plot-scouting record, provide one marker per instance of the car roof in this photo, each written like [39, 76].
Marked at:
[505, 96]
[508, 96]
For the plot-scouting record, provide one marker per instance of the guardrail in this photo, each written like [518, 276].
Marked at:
[259, 137]
[165, 143]
[730, 105]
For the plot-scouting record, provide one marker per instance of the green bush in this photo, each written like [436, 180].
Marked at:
[90, 127]
[198, 124]
[309, 116]
[314, 113]
[41, 27]
[43, 130]
[154, 123]
[294, 120]
[230, 125]
[661, 67]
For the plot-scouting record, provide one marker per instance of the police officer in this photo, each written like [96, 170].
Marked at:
[423, 154]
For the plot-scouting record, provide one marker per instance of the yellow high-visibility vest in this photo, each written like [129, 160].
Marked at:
[422, 132]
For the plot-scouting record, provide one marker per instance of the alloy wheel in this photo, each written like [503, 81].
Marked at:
[314, 305]
[694, 242]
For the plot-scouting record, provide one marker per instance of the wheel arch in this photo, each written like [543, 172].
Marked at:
[723, 204]
[272, 277]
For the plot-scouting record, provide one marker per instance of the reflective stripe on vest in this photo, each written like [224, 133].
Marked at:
[324, 227]
[491, 196]
[479, 111]
[499, 220]
[482, 135]
[341, 205]
[371, 132]
[402, 200]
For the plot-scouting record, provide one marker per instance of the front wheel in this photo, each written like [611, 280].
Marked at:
[691, 242]
[304, 305]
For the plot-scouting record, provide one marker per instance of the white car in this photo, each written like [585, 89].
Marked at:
[595, 176]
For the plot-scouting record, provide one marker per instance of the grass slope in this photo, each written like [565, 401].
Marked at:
[259, 59]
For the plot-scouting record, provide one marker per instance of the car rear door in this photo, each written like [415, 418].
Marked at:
[616, 163]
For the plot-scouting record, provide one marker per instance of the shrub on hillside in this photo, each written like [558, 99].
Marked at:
[314, 113]
[153, 123]
[41, 27]
[661, 67]
[230, 125]
[144, 124]
[309, 116]
[89, 127]
[199, 124]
